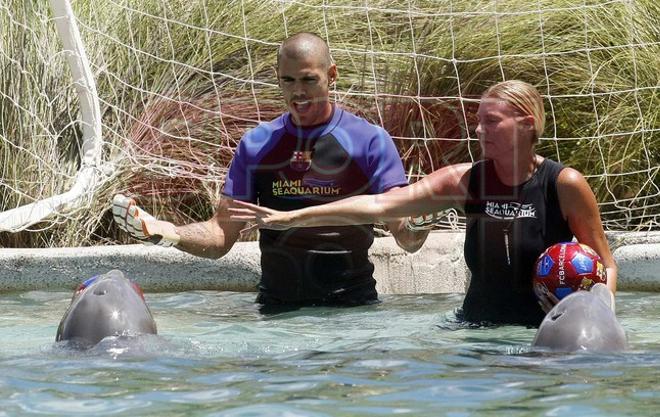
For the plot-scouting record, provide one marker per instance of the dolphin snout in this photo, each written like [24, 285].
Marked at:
[102, 288]
[107, 286]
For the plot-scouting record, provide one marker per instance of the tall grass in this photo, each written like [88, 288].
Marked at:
[38, 140]
[176, 98]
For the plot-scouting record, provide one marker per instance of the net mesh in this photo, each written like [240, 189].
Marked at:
[179, 82]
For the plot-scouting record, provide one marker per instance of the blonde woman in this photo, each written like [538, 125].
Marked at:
[517, 203]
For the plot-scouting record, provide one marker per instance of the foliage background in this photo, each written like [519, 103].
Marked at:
[180, 81]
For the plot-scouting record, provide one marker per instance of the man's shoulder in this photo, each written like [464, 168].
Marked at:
[355, 124]
[264, 132]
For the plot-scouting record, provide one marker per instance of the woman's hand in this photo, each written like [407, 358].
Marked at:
[264, 217]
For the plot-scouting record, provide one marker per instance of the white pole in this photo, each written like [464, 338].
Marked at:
[88, 177]
[83, 79]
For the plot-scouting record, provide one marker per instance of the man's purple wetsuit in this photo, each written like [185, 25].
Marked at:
[286, 167]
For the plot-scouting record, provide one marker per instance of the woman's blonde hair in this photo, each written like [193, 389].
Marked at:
[524, 97]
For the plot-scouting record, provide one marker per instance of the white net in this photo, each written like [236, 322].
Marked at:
[180, 81]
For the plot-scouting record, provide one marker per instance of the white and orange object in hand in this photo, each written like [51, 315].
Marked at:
[142, 225]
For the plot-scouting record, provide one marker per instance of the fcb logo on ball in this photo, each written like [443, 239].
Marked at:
[565, 268]
[301, 160]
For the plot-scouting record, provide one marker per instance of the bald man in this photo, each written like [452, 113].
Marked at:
[312, 154]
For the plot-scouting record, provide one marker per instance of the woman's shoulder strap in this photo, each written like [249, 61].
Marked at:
[480, 170]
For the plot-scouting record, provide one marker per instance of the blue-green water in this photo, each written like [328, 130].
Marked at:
[216, 355]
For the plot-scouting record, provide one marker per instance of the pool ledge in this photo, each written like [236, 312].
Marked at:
[438, 267]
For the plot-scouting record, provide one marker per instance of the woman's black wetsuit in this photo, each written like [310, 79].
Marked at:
[501, 283]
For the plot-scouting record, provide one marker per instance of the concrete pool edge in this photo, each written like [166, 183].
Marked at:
[437, 268]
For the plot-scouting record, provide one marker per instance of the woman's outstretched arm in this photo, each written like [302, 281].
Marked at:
[444, 188]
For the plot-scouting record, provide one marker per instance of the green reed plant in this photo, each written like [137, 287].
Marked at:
[38, 140]
[598, 65]
[176, 97]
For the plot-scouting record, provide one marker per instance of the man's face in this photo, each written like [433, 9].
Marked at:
[305, 84]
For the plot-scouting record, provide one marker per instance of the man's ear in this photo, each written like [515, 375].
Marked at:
[332, 74]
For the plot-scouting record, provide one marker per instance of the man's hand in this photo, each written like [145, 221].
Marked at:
[142, 225]
[448, 217]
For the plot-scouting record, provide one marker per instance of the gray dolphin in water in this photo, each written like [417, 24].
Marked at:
[106, 305]
[583, 320]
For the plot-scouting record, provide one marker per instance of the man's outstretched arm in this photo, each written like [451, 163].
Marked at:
[210, 239]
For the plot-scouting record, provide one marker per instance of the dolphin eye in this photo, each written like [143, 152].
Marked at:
[556, 316]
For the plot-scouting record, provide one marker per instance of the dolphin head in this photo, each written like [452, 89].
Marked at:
[583, 320]
[107, 305]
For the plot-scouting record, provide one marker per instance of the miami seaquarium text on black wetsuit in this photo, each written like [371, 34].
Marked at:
[500, 289]
[286, 167]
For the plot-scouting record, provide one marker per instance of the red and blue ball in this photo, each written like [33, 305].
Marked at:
[565, 268]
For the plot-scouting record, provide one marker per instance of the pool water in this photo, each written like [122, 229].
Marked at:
[216, 355]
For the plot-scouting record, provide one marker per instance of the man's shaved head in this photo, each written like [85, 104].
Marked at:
[305, 72]
[305, 45]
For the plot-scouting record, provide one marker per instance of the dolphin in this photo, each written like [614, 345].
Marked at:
[583, 320]
[105, 305]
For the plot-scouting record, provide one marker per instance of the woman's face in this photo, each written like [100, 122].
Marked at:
[502, 131]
